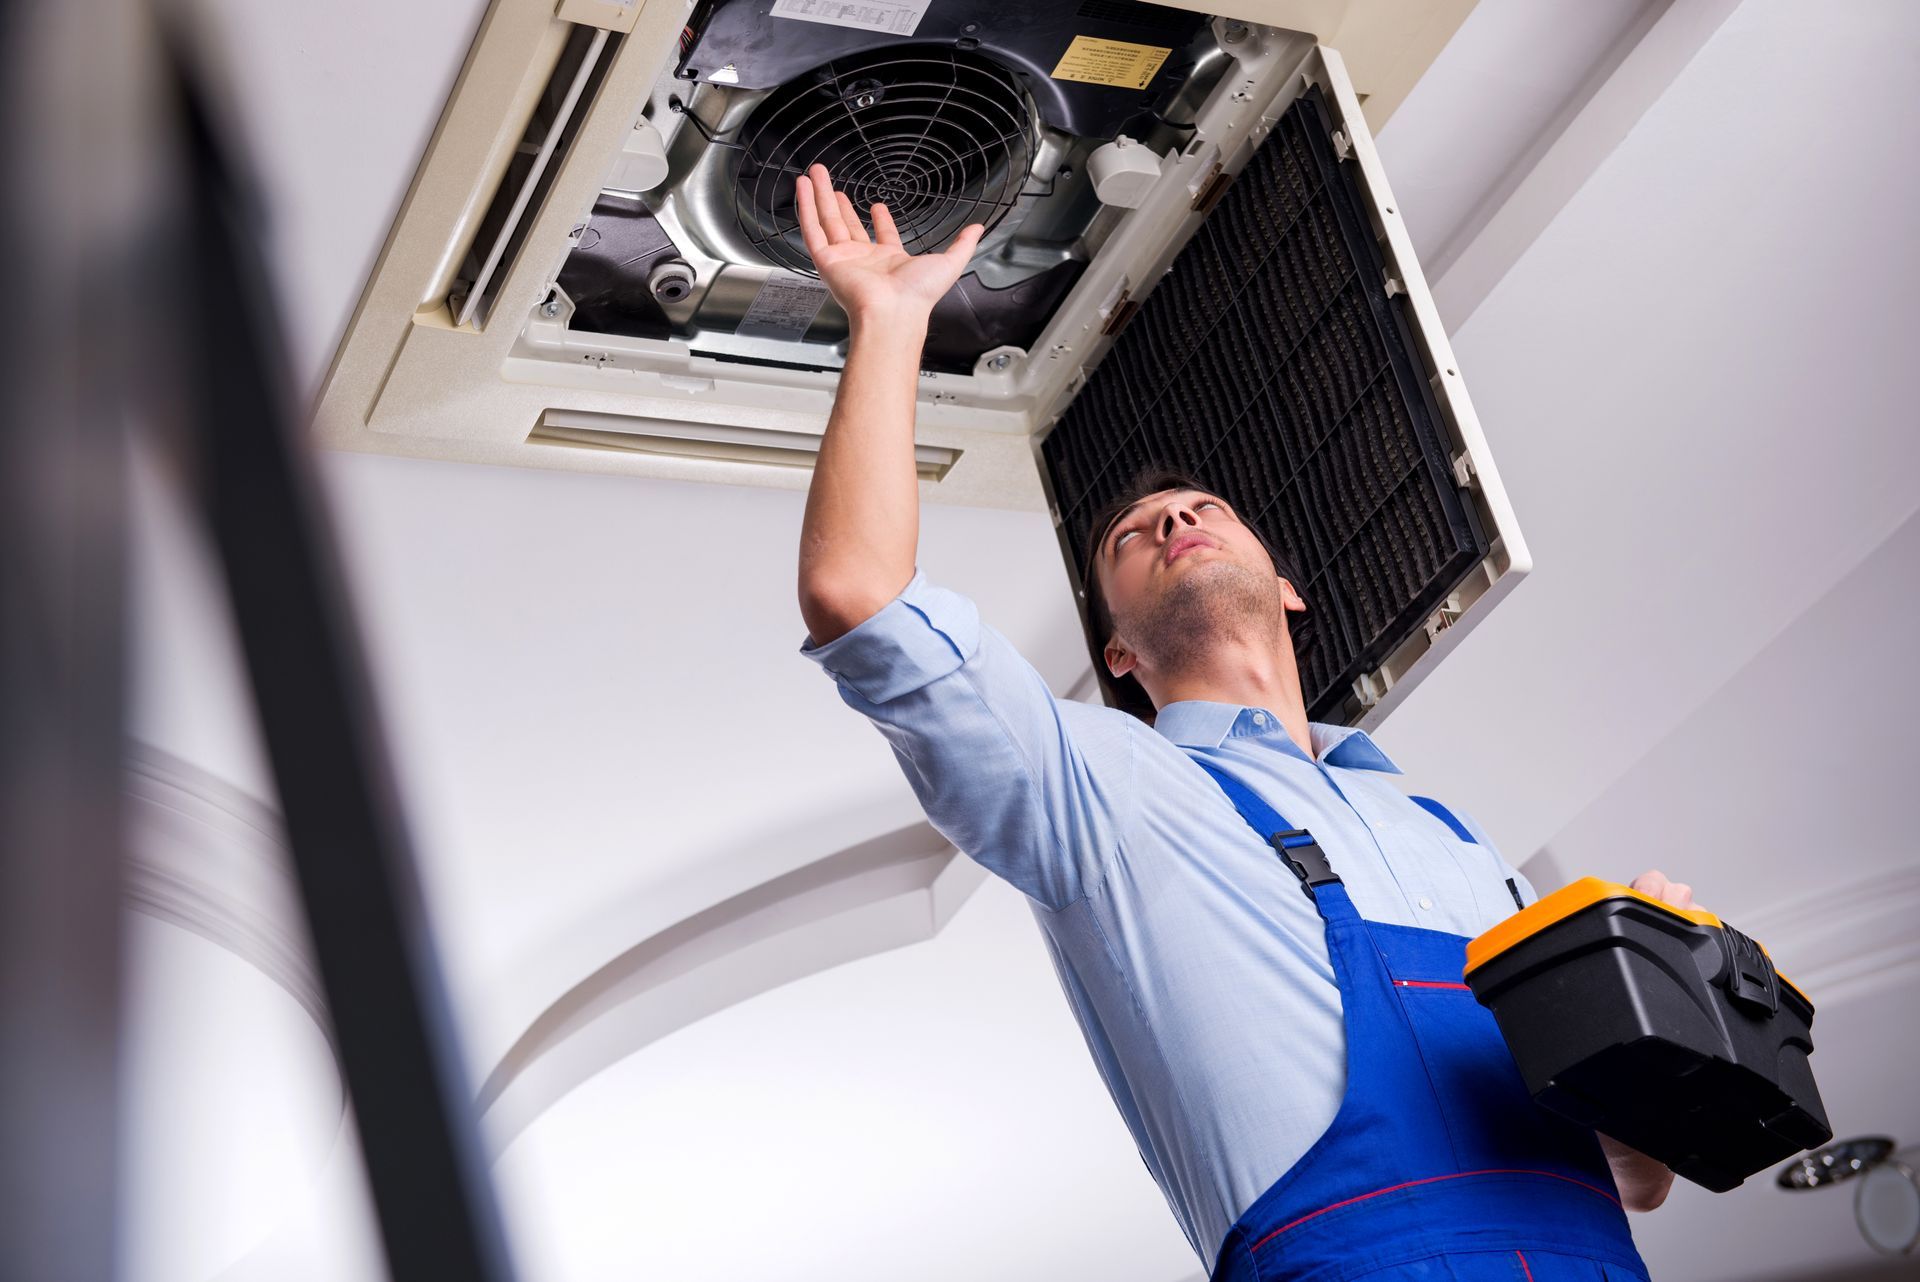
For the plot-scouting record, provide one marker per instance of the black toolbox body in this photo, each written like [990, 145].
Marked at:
[1663, 1028]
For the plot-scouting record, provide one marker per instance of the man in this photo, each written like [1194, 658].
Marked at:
[1306, 1077]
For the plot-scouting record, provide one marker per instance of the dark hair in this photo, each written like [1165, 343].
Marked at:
[1125, 692]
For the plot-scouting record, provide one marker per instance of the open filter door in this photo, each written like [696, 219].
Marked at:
[1291, 358]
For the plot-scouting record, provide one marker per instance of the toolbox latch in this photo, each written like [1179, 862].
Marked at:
[1749, 976]
[1300, 852]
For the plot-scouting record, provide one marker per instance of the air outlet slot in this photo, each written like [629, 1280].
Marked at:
[556, 119]
[707, 442]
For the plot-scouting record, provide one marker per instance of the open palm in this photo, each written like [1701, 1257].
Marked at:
[871, 275]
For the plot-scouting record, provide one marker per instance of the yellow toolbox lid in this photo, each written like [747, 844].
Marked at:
[1567, 901]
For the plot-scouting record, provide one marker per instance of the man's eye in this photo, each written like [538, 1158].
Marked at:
[1210, 503]
[1121, 541]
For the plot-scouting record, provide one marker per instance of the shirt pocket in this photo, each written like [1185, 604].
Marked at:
[1461, 880]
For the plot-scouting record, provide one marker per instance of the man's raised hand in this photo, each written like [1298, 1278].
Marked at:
[873, 277]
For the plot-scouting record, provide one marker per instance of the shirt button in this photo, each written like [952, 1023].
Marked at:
[1259, 718]
[1425, 902]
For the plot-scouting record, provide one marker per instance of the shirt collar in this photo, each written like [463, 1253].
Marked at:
[1198, 723]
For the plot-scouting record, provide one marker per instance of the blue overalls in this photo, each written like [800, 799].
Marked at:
[1438, 1164]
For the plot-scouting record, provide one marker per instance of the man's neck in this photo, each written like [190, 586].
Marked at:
[1252, 675]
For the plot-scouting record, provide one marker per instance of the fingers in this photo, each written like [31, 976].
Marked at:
[827, 206]
[953, 259]
[964, 244]
[810, 230]
[884, 232]
[856, 232]
[1655, 883]
[828, 217]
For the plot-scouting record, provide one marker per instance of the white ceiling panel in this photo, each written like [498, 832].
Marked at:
[1688, 383]
[1473, 121]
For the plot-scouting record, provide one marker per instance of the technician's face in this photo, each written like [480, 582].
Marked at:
[1168, 536]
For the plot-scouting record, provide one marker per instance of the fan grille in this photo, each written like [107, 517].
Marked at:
[943, 138]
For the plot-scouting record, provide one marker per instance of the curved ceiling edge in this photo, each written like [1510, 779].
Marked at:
[1840, 940]
[209, 858]
[206, 857]
[895, 889]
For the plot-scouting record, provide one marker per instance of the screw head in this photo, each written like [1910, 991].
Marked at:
[1000, 362]
[1233, 32]
[550, 308]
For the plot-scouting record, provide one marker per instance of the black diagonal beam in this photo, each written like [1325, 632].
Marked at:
[412, 1101]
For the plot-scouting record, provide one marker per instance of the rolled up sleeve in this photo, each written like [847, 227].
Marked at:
[921, 635]
[1028, 785]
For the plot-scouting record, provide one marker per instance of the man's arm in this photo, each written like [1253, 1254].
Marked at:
[1643, 1181]
[862, 522]
[1034, 789]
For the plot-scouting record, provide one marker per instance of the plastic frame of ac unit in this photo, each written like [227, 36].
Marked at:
[1508, 560]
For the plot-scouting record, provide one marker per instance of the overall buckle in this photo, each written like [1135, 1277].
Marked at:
[1301, 853]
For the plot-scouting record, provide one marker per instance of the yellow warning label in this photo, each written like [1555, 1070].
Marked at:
[1110, 62]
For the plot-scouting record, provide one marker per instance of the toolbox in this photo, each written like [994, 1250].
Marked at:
[1662, 1027]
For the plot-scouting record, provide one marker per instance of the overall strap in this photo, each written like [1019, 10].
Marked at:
[1295, 846]
[1446, 817]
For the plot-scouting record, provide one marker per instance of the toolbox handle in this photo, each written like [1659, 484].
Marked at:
[1749, 976]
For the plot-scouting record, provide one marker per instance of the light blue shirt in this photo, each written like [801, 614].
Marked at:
[1195, 965]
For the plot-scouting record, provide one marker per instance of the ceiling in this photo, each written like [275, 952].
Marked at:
[1668, 282]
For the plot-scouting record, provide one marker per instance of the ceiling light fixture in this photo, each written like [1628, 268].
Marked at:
[1886, 1200]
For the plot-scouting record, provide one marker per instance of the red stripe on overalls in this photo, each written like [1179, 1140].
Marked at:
[1431, 1179]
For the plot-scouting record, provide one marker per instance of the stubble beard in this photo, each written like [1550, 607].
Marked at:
[1178, 629]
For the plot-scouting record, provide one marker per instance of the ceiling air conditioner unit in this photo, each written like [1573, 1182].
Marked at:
[1192, 255]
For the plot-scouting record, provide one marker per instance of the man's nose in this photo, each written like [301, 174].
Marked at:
[1176, 515]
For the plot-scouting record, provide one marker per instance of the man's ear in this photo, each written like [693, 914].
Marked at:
[1120, 660]
[1289, 598]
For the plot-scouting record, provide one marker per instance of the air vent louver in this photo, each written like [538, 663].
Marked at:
[531, 172]
[1272, 363]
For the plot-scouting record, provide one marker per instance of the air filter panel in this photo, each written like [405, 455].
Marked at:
[1273, 363]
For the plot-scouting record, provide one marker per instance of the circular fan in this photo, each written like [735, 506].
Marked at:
[942, 137]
